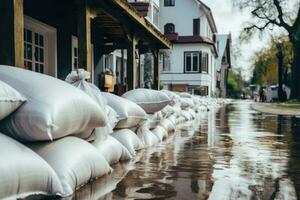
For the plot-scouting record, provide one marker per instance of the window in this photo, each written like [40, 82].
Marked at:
[39, 47]
[169, 2]
[74, 53]
[34, 49]
[201, 90]
[169, 28]
[155, 16]
[196, 26]
[192, 61]
[204, 62]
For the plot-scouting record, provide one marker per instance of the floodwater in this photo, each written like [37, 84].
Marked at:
[230, 153]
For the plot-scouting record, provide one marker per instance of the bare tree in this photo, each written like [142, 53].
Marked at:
[284, 14]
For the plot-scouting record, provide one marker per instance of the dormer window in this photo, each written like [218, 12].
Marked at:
[169, 2]
[169, 28]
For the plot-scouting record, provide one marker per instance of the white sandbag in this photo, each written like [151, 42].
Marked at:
[99, 189]
[53, 109]
[167, 111]
[167, 125]
[77, 78]
[150, 100]
[10, 100]
[146, 136]
[187, 115]
[180, 120]
[112, 150]
[129, 139]
[129, 113]
[172, 95]
[112, 116]
[186, 103]
[23, 172]
[75, 161]
[172, 118]
[160, 132]
[154, 119]
[185, 95]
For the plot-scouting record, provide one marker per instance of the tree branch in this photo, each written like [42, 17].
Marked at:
[282, 23]
[264, 16]
[254, 26]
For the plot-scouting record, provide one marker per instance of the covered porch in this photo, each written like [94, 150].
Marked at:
[55, 37]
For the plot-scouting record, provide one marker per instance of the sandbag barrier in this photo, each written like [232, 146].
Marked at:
[58, 136]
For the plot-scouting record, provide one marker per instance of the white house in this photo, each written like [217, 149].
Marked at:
[190, 65]
[223, 62]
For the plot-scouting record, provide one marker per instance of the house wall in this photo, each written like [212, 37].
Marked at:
[176, 74]
[182, 15]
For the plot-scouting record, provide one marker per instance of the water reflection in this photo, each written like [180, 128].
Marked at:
[230, 153]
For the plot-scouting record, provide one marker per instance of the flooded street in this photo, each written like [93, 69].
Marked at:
[231, 153]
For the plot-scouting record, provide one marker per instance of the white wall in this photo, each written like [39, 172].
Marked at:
[182, 15]
[176, 73]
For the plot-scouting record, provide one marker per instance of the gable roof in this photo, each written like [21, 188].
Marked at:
[224, 46]
[209, 15]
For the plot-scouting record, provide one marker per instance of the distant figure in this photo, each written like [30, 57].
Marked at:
[261, 94]
[265, 93]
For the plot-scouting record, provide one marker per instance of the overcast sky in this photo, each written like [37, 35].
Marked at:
[229, 19]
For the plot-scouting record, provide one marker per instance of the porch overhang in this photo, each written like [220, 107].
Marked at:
[117, 20]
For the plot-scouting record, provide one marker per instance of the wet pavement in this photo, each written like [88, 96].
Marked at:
[231, 153]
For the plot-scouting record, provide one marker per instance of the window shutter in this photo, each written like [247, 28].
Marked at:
[196, 26]
[207, 63]
[200, 62]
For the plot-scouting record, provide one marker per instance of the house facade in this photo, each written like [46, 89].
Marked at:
[223, 62]
[53, 37]
[190, 65]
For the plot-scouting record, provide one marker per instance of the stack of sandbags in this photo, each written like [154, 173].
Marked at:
[130, 115]
[75, 161]
[152, 101]
[53, 110]
[24, 173]
[112, 150]
[129, 139]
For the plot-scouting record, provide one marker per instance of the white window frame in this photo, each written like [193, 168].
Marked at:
[192, 53]
[50, 40]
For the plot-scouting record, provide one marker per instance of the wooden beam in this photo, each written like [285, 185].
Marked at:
[156, 56]
[122, 66]
[12, 33]
[84, 36]
[131, 64]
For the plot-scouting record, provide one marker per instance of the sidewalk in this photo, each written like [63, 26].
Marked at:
[273, 109]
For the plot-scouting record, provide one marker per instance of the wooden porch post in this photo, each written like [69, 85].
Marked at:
[131, 64]
[12, 33]
[122, 67]
[156, 56]
[84, 36]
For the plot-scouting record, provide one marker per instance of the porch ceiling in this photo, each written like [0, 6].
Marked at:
[108, 25]
[117, 20]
